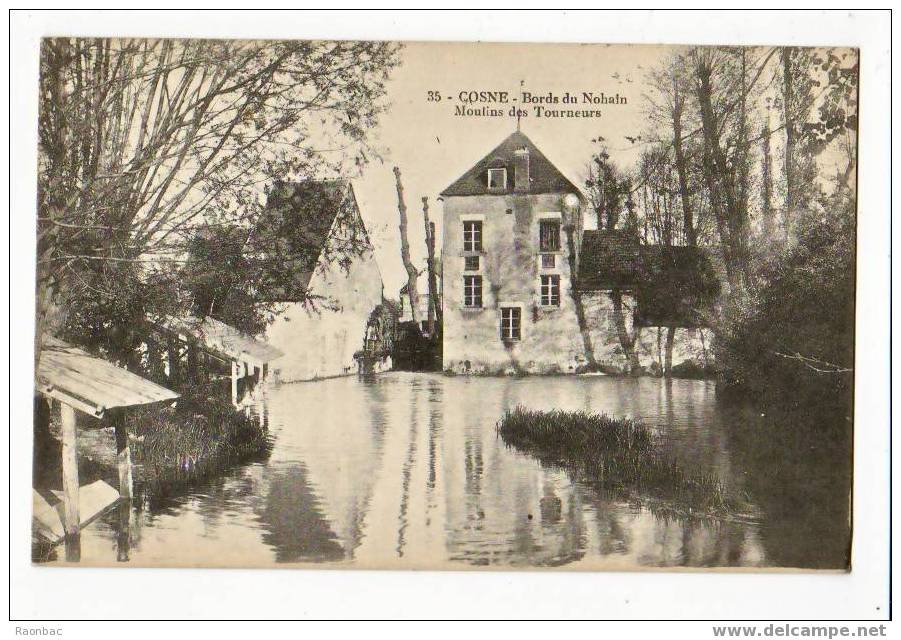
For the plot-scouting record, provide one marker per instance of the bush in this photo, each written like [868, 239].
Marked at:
[694, 370]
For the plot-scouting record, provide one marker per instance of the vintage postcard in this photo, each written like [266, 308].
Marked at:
[380, 304]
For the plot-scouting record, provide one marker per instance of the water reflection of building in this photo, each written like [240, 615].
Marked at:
[293, 520]
[427, 482]
[407, 470]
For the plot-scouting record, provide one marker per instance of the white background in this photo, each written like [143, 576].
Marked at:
[79, 593]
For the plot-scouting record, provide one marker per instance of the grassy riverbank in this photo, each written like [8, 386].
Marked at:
[197, 437]
[615, 454]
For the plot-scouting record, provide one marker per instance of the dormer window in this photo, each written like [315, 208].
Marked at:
[497, 179]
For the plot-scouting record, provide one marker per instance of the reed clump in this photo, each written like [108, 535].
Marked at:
[617, 455]
[193, 439]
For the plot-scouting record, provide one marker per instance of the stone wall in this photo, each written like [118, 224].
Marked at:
[600, 317]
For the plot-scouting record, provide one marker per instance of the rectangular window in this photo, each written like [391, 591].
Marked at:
[511, 324]
[497, 179]
[548, 260]
[472, 235]
[550, 291]
[472, 291]
[472, 263]
[549, 235]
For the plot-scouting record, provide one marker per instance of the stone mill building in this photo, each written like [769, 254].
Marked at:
[527, 289]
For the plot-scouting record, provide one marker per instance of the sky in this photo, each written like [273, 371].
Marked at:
[433, 147]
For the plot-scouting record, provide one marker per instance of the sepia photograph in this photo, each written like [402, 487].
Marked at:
[435, 305]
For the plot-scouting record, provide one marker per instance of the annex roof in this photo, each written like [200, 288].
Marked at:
[608, 260]
[675, 285]
[222, 339]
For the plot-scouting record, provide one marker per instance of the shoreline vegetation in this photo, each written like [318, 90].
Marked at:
[621, 456]
[192, 440]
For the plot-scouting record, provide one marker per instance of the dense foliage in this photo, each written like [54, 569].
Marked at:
[749, 154]
[219, 279]
[793, 331]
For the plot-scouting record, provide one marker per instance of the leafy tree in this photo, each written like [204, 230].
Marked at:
[609, 192]
[794, 332]
[141, 140]
[750, 187]
[219, 278]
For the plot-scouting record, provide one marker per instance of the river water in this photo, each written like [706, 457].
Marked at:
[407, 470]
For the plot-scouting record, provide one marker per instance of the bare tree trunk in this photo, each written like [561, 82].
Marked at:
[766, 177]
[789, 121]
[682, 169]
[576, 296]
[412, 274]
[659, 353]
[741, 152]
[626, 341]
[704, 348]
[725, 194]
[668, 357]
[430, 264]
[49, 314]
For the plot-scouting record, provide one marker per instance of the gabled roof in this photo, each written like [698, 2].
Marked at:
[544, 177]
[296, 226]
[303, 213]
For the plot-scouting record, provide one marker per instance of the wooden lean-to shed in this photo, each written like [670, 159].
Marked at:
[96, 387]
[247, 356]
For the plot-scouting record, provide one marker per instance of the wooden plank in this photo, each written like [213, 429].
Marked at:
[70, 471]
[45, 520]
[94, 500]
[57, 394]
[235, 383]
[79, 385]
[221, 339]
[93, 377]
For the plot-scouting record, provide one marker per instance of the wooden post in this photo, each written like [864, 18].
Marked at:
[123, 455]
[434, 311]
[235, 366]
[122, 536]
[192, 376]
[70, 473]
[126, 484]
[174, 362]
[153, 360]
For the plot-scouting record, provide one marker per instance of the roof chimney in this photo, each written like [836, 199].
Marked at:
[521, 170]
